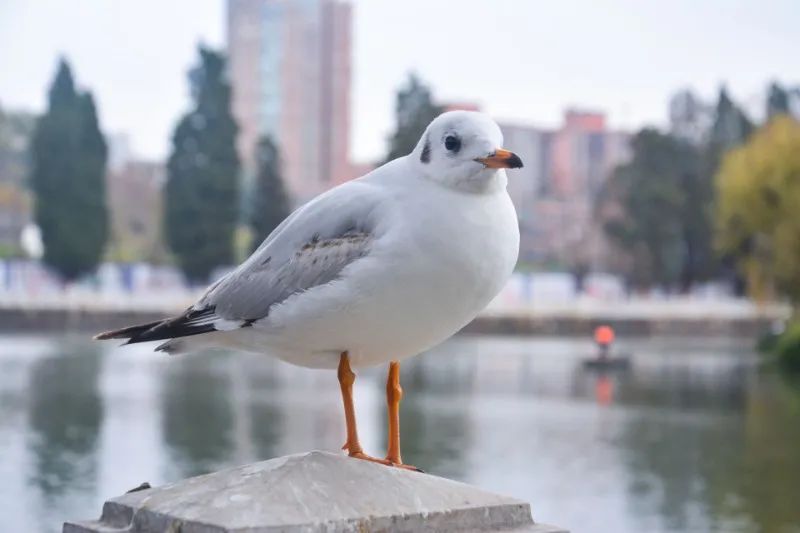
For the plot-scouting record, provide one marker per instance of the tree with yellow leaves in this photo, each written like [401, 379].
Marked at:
[758, 209]
[758, 219]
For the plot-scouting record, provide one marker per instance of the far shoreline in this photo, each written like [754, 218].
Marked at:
[511, 322]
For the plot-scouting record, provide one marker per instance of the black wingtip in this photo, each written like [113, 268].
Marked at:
[125, 333]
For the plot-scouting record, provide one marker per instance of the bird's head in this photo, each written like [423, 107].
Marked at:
[463, 150]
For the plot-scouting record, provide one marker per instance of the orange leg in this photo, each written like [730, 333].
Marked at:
[394, 393]
[346, 379]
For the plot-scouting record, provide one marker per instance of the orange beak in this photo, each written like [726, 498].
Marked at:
[501, 159]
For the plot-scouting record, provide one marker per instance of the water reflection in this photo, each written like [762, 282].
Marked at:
[692, 437]
[65, 415]
[765, 476]
[434, 419]
[198, 415]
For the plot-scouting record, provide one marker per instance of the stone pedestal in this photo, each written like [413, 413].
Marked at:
[312, 492]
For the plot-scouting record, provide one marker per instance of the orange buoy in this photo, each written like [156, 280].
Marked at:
[604, 335]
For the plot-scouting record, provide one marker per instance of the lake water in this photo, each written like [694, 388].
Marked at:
[694, 437]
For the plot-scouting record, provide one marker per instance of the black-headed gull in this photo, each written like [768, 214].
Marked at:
[372, 271]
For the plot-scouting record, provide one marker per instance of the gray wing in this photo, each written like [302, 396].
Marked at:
[310, 248]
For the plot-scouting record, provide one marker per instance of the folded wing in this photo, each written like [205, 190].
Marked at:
[310, 248]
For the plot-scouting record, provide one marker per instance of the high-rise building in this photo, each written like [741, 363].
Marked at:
[527, 185]
[290, 64]
[555, 192]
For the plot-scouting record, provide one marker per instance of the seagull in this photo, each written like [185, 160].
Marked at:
[375, 270]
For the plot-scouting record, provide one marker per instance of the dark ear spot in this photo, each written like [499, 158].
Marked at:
[426, 151]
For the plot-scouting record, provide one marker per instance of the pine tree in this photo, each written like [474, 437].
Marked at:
[202, 191]
[730, 129]
[758, 184]
[777, 101]
[731, 126]
[664, 219]
[68, 179]
[414, 110]
[270, 202]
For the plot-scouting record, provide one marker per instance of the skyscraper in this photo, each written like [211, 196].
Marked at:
[555, 192]
[290, 71]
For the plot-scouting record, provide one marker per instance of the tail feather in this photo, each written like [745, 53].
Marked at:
[191, 322]
[128, 332]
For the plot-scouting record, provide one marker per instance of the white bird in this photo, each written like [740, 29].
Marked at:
[375, 270]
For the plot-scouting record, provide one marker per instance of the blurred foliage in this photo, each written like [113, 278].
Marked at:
[414, 110]
[15, 200]
[16, 130]
[9, 251]
[662, 202]
[270, 202]
[767, 341]
[731, 127]
[777, 101]
[664, 222]
[134, 253]
[242, 242]
[68, 179]
[137, 228]
[202, 190]
[786, 348]
[758, 188]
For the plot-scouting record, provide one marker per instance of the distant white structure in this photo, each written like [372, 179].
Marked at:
[31, 241]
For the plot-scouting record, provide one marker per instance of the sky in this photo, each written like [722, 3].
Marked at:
[524, 61]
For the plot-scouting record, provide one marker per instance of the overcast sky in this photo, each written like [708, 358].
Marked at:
[523, 60]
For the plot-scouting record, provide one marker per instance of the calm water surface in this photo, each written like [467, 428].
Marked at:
[692, 438]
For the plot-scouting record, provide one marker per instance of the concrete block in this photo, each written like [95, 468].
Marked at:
[309, 493]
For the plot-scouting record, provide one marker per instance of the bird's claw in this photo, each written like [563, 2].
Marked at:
[404, 466]
[358, 454]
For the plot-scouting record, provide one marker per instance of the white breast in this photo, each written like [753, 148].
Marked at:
[443, 257]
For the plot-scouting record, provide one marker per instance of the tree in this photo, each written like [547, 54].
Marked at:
[270, 204]
[758, 189]
[68, 179]
[777, 101]
[662, 218]
[414, 110]
[202, 190]
[689, 117]
[731, 127]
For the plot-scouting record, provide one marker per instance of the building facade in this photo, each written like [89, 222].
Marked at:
[290, 70]
[16, 130]
[135, 196]
[528, 185]
[555, 192]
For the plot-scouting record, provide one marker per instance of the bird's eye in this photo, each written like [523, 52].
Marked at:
[452, 143]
